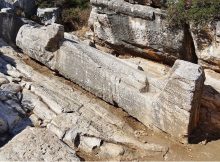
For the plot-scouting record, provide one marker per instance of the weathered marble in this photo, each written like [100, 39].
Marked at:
[35, 144]
[139, 30]
[121, 83]
[207, 44]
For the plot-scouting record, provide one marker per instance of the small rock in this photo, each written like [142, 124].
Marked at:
[7, 10]
[14, 73]
[88, 42]
[89, 143]
[3, 80]
[11, 87]
[111, 150]
[35, 120]
[14, 104]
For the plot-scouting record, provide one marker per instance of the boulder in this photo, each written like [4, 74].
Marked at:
[49, 15]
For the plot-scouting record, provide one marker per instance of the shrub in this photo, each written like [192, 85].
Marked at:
[196, 11]
[75, 13]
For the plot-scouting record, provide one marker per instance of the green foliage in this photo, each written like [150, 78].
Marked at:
[196, 11]
[74, 13]
[63, 3]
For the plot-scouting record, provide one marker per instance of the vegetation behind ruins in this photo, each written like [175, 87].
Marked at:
[195, 11]
[74, 13]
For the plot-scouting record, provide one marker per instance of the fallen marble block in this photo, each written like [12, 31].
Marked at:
[169, 103]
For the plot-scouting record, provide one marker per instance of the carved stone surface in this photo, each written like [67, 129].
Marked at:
[140, 29]
[118, 82]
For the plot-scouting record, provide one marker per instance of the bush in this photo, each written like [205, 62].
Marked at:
[75, 13]
[196, 11]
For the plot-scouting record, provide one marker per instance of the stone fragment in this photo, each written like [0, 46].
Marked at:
[35, 120]
[88, 144]
[3, 80]
[33, 103]
[7, 10]
[110, 150]
[207, 44]
[11, 87]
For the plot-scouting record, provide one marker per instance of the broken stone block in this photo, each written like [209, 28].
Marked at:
[176, 109]
[207, 44]
[34, 103]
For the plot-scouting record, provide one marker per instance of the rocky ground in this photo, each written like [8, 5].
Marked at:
[46, 117]
[117, 104]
